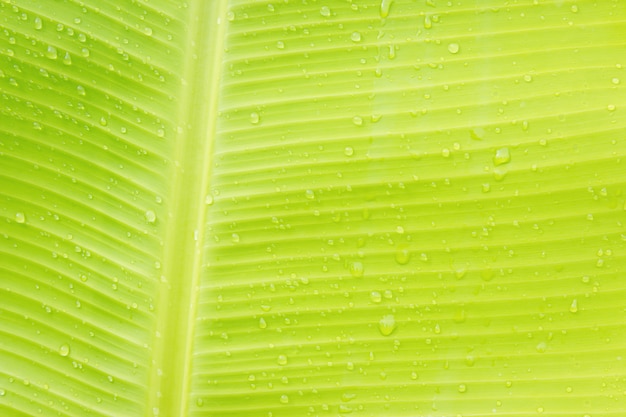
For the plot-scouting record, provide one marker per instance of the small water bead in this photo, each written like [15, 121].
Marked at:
[309, 194]
[280, 45]
[282, 360]
[103, 121]
[51, 52]
[573, 308]
[385, 6]
[357, 121]
[355, 37]
[284, 399]
[38, 23]
[502, 156]
[254, 118]
[325, 11]
[376, 297]
[85, 52]
[403, 256]
[615, 81]
[387, 325]
[150, 216]
[147, 31]
[20, 217]
[453, 48]
[64, 350]
[462, 388]
[356, 269]
[67, 59]
[262, 323]
[80, 90]
[348, 151]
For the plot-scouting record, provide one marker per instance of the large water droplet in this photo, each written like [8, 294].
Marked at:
[150, 216]
[38, 23]
[502, 156]
[453, 48]
[356, 269]
[51, 52]
[387, 325]
[64, 350]
[385, 6]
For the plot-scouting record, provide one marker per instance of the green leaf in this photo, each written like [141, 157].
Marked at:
[300, 207]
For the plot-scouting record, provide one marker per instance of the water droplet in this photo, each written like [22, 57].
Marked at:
[84, 52]
[309, 194]
[208, 200]
[64, 350]
[356, 269]
[478, 133]
[280, 45]
[356, 37]
[611, 107]
[541, 347]
[385, 6]
[147, 31]
[199, 402]
[51, 52]
[428, 23]
[282, 360]
[81, 90]
[2, 392]
[150, 216]
[502, 156]
[262, 323]
[453, 48]
[376, 297]
[462, 388]
[67, 59]
[284, 399]
[103, 121]
[403, 256]
[615, 81]
[235, 238]
[20, 217]
[254, 118]
[348, 151]
[325, 11]
[357, 120]
[387, 325]
[38, 23]
[528, 78]
[573, 308]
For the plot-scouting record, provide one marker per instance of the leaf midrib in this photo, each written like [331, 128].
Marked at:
[170, 376]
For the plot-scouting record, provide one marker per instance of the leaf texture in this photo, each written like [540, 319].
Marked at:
[280, 208]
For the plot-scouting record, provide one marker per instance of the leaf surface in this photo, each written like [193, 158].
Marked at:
[232, 208]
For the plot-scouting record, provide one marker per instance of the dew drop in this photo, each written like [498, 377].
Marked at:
[103, 121]
[502, 156]
[85, 52]
[403, 256]
[357, 120]
[348, 151]
[615, 81]
[325, 11]
[51, 52]
[208, 200]
[64, 350]
[254, 118]
[355, 37]
[20, 217]
[150, 216]
[284, 399]
[147, 31]
[38, 23]
[376, 297]
[2, 392]
[573, 308]
[387, 325]
[453, 48]
[478, 133]
[309, 194]
[262, 323]
[280, 45]
[462, 388]
[282, 360]
[81, 90]
[385, 6]
[356, 269]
